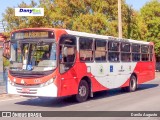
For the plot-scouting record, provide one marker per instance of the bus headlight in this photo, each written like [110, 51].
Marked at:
[12, 83]
[48, 82]
[42, 85]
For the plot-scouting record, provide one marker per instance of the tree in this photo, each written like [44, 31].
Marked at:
[93, 16]
[151, 16]
[135, 27]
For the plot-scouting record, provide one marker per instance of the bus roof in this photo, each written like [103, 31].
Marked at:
[84, 34]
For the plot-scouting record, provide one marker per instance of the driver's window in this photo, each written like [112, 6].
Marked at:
[67, 52]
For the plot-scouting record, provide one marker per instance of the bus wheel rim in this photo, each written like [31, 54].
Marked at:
[133, 83]
[82, 91]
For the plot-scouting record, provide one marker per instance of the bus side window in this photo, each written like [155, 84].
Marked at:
[145, 52]
[113, 56]
[113, 51]
[100, 50]
[125, 52]
[135, 48]
[86, 49]
[135, 57]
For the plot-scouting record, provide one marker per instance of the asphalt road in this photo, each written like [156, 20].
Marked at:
[146, 98]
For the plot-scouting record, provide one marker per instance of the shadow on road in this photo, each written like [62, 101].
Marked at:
[118, 91]
[147, 86]
[67, 101]
[49, 102]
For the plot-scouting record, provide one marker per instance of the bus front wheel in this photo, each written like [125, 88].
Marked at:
[83, 91]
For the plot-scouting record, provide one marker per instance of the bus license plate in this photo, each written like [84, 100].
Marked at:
[25, 90]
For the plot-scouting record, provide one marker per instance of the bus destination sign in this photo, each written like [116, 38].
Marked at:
[32, 34]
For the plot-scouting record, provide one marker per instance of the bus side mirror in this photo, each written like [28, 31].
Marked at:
[6, 49]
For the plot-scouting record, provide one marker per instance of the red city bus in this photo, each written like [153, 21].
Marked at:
[57, 62]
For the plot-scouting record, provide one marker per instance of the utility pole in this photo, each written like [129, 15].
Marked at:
[119, 20]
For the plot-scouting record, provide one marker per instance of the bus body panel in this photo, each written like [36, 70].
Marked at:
[70, 80]
[112, 75]
[144, 71]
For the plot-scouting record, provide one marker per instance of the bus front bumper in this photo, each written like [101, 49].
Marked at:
[46, 91]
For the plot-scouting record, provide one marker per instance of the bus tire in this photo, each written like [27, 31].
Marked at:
[83, 91]
[132, 84]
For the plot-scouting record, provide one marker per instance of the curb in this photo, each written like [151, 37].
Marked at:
[5, 95]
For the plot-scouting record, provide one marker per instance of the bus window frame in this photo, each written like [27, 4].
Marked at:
[151, 53]
[106, 50]
[110, 51]
[145, 53]
[92, 49]
[125, 52]
[136, 52]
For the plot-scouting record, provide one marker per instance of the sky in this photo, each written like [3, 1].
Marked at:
[10, 3]
[136, 4]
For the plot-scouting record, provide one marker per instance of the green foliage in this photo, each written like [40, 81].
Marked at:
[151, 16]
[93, 16]
[5, 62]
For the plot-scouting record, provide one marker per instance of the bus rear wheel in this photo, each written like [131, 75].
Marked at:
[83, 91]
[133, 83]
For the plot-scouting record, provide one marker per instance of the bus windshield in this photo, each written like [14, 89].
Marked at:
[33, 56]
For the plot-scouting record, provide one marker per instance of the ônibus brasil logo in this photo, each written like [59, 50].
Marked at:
[29, 11]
